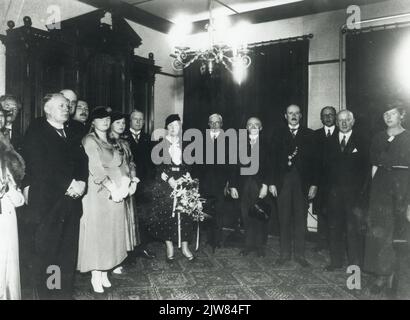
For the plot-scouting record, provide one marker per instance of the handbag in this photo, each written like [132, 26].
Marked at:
[261, 210]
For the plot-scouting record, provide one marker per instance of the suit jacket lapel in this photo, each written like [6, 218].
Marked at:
[350, 144]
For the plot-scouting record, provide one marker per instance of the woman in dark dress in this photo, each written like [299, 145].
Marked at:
[163, 224]
[389, 207]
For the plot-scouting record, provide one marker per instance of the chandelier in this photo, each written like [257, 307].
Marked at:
[234, 58]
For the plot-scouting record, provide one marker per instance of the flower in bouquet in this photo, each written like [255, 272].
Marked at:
[188, 199]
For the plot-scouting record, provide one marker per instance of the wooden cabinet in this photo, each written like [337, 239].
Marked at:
[93, 58]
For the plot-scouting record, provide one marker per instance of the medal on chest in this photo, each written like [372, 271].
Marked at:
[292, 156]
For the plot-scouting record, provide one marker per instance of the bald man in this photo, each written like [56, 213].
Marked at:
[346, 166]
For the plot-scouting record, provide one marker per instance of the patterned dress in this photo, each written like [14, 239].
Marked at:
[161, 224]
[389, 198]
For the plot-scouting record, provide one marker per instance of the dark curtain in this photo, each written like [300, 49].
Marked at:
[277, 77]
[372, 79]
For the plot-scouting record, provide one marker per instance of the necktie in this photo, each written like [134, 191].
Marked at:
[61, 133]
[293, 132]
[343, 144]
[328, 133]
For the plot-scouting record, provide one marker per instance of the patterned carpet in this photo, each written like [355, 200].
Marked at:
[226, 275]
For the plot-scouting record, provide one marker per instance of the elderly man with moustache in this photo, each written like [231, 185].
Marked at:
[81, 112]
[56, 182]
[323, 136]
[294, 183]
[346, 166]
[250, 188]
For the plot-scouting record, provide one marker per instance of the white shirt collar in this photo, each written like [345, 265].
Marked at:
[215, 134]
[295, 127]
[56, 125]
[332, 129]
[347, 135]
[135, 132]
[253, 136]
[9, 126]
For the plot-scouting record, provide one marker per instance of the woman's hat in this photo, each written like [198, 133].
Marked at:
[171, 118]
[115, 115]
[99, 113]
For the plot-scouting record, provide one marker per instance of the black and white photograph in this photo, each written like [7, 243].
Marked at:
[204, 154]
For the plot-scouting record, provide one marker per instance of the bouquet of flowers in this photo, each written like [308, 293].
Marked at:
[187, 199]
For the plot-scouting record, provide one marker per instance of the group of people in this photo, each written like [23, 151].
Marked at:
[89, 197]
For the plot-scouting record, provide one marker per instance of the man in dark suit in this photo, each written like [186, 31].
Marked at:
[322, 136]
[294, 183]
[252, 187]
[346, 164]
[81, 112]
[140, 144]
[77, 128]
[213, 177]
[55, 183]
[12, 107]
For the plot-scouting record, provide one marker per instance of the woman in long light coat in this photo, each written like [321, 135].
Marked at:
[103, 242]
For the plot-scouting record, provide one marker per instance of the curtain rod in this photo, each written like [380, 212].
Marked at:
[282, 40]
[377, 28]
[397, 16]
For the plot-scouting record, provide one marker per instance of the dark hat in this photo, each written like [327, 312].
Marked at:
[115, 115]
[398, 104]
[171, 118]
[99, 113]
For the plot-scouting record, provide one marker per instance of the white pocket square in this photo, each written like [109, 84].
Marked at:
[355, 150]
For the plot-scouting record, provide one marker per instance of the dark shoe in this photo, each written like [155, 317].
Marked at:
[146, 254]
[190, 257]
[170, 259]
[260, 252]
[245, 252]
[302, 262]
[281, 261]
[332, 267]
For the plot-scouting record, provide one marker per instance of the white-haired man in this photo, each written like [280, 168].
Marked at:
[346, 166]
[55, 180]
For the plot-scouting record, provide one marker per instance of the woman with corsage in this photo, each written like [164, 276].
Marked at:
[103, 229]
[164, 224]
[11, 173]
[389, 206]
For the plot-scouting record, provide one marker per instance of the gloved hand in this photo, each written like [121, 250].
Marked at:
[133, 186]
[124, 188]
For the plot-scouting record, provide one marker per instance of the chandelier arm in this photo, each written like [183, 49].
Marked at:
[191, 61]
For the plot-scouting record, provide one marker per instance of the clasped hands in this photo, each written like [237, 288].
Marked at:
[263, 192]
[128, 188]
[76, 189]
[311, 195]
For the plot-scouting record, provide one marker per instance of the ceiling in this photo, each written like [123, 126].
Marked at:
[160, 15]
[197, 10]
